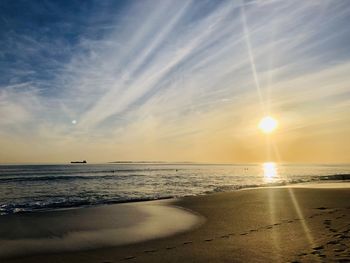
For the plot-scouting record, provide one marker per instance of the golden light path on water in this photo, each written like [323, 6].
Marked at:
[270, 171]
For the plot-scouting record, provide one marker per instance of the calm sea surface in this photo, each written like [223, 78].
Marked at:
[44, 187]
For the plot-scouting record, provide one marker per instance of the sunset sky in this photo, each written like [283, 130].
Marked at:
[174, 81]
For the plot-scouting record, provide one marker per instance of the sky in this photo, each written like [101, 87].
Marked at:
[160, 80]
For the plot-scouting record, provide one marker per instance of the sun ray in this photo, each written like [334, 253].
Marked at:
[296, 205]
[251, 58]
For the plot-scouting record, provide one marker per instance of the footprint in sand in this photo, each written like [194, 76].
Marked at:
[128, 258]
[169, 248]
[337, 235]
[321, 208]
[340, 217]
[318, 248]
[332, 242]
[316, 252]
[327, 222]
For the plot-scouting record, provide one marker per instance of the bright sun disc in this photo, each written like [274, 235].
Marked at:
[268, 124]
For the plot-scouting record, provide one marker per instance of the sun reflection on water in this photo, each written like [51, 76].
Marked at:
[270, 171]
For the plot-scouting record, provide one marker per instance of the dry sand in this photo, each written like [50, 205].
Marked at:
[282, 224]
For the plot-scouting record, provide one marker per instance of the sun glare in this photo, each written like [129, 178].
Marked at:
[270, 171]
[267, 124]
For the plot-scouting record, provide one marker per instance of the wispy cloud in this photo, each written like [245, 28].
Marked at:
[167, 71]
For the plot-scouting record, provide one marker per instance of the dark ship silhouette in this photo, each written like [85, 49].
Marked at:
[79, 161]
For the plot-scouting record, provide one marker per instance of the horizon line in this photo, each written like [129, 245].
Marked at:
[176, 162]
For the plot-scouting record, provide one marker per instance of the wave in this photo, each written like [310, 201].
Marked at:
[334, 177]
[60, 202]
[41, 206]
[227, 188]
[29, 173]
[63, 178]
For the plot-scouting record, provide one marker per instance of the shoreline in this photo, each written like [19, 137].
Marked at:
[288, 221]
[322, 180]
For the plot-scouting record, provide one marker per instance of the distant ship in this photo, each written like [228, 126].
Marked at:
[79, 161]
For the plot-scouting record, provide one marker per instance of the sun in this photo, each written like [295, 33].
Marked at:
[268, 124]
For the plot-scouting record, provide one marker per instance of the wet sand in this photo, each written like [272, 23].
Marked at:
[280, 224]
[63, 231]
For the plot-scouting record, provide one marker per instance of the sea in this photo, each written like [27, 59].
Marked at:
[28, 188]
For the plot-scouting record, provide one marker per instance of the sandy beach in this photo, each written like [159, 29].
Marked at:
[279, 224]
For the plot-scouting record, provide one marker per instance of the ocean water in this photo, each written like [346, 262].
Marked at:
[45, 187]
